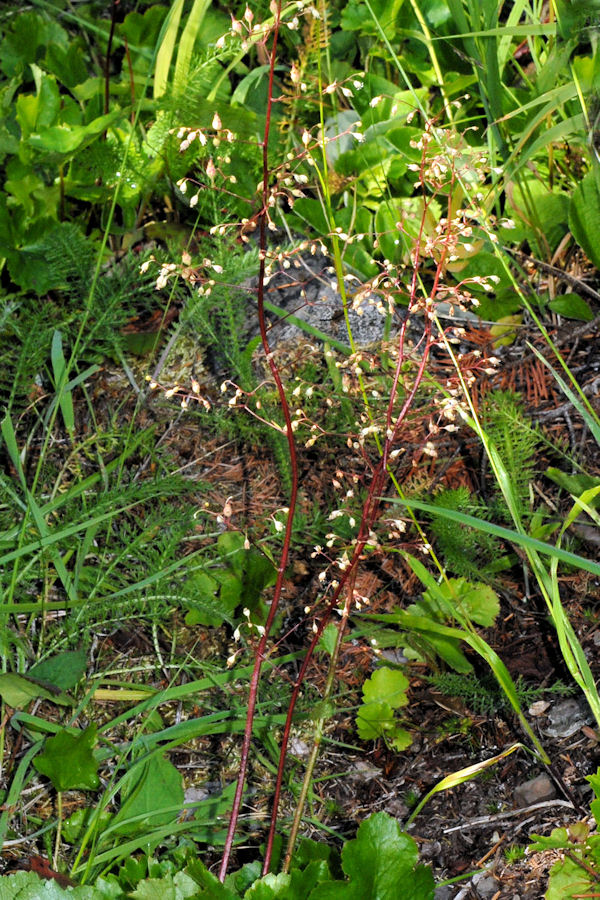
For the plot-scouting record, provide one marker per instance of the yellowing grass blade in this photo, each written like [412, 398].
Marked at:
[188, 40]
[165, 51]
[463, 775]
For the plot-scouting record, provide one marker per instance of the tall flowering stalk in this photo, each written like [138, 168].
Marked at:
[263, 218]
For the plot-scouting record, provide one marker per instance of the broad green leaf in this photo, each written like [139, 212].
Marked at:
[475, 601]
[399, 739]
[576, 485]
[39, 111]
[29, 886]
[362, 17]
[151, 793]
[64, 140]
[387, 685]
[212, 888]
[171, 887]
[381, 864]
[63, 671]
[311, 212]
[67, 760]
[328, 639]
[569, 880]
[373, 720]
[75, 826]
[448, 649]
[204, 608]
[271, 887]
[18, 691]
[572, 306]
[584, 215]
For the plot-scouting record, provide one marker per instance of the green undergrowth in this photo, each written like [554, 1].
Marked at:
[380, 862]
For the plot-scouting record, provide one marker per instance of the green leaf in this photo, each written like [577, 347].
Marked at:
[201, 601]
[59, 369]
[64, 140]
[373, 720]
[460, 598]
[67, 760]
[387, 685]
[569, 880]
[381, 864]
[18, 691]
[170, 887]
[328, 639]
[64, 670]
[584, 215]
[311, 212]
[75, 826]
[399, 740]
[29, 886]
[151, 793]
[576, 485]
[29, 33]
[358, 16]
[38, 111]
[572, 306]
[212, 889]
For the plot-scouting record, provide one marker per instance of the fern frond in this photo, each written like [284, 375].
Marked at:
[465, 551]
[517, 441]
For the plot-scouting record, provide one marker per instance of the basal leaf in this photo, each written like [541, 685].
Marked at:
[373, 720]
[569, 880]
[584, 215]
[67, 760]
[572, 306]
[64, 140]
[465, 599]
[63, 671]
[18, 691]
[171, 887]
[381, 864]
[152, 794]
[386, 685]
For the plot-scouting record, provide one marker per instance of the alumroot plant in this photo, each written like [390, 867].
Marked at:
[441, 231]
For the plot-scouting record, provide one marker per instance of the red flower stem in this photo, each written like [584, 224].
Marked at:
[260, 651]
[370, 507]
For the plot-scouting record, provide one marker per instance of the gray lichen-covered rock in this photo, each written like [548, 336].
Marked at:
[306, 290]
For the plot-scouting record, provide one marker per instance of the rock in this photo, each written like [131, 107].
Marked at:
[535, 791]
[430, 850]
[486, 886]
[567, 717]
[444, 892]
[307, 290]
[299, 748]
[394, 655]
[395, 807]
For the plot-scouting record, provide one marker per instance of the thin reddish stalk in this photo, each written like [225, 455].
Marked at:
[370, 508]
[260, 652]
